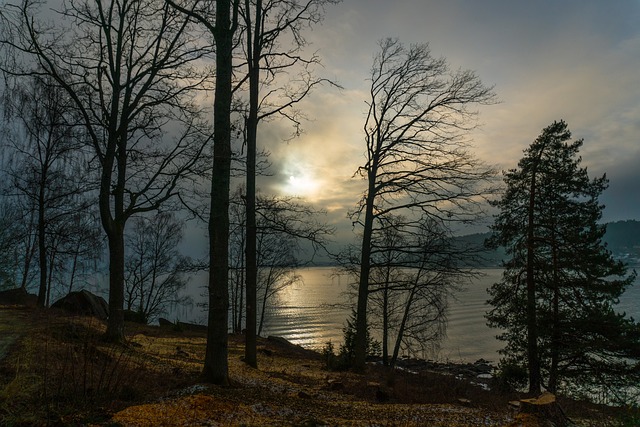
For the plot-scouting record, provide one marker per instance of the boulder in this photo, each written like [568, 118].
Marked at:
[192, 327]
[85, 303]
[18, 296]
[165, 323]
[135, 317]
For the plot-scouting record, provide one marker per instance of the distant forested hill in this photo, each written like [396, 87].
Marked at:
[623, 235]
[622, 239]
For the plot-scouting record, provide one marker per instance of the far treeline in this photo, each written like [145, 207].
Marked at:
[622, 239]
[126, 119]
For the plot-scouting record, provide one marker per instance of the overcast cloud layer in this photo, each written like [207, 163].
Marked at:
[575, 60]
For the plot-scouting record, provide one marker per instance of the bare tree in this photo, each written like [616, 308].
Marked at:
[20, 236]
[414, 271]
[83, 247]
[222, 23]
[416, 160]
[9, 241]
[266, 23]
[46, 161]
[156, 272]
[421, 272]
[284, 227]
[237, 247]
[127, 66]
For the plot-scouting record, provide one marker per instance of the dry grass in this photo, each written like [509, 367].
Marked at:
[61, 373]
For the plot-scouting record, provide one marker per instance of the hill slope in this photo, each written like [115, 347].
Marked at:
[622, 239]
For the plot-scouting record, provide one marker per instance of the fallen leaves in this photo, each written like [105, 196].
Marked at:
[198, 409]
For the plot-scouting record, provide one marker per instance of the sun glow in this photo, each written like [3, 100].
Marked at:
[301, 185]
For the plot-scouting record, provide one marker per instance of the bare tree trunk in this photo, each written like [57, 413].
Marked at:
[30, 249]
[385, 319]
[50, 276]
[74, 266]
[241, 286]
[254, 35]
[115, 325]
[42, 246]
[114, 228]
[403, 323]
[267, 289]
[360, 342]
[216, 365]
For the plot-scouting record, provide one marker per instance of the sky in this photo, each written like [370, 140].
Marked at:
[575, 60]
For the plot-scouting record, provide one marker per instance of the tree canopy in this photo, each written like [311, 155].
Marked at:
[555, 302]
[417, 162]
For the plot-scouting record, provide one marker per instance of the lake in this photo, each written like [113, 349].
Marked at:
[315, 311]
[307, 315]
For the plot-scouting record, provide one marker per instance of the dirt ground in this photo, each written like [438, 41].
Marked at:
[13, 323]
[59, 372]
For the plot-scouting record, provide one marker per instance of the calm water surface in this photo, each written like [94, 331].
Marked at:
[314, 312]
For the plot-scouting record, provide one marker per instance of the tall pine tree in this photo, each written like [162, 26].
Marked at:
[555, 302]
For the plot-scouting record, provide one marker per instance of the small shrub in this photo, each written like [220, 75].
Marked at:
[631, 418]
[333, 361]
[349, 331]
[511, 377]
[344, 359]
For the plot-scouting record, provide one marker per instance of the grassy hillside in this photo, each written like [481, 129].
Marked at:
[57, 371]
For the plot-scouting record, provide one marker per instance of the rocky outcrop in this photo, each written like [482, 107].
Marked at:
[18, 296]
[85, 303]
[182, 326]
[480, 369]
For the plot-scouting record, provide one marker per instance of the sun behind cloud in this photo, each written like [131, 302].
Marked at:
[302, 184]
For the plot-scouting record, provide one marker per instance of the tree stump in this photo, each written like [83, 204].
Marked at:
[546, 409]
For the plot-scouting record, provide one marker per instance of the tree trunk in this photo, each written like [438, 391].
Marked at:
[360, 341]
[555, 332]
[241, 288]
[253, 60]
[532, 331]
[403, 325]
[385, 322]
[216, 368]
[30, 249]
[74, 266]
[267, 288]
[115, 325]
[50, 276]
[42, 247]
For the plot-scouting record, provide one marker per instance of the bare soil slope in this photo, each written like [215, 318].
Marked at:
[59, 372]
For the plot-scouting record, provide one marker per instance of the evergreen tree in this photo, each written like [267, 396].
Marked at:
[555, 302]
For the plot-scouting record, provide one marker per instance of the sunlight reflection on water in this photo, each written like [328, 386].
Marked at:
[314, 312]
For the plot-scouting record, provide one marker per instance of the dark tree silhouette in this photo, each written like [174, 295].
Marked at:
[220, 18]
[416, 162]
[156, 272]
[127, 68]
[46, 163]
[556, 299]
[266, 24]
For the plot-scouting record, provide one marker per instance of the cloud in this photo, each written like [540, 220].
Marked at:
[571, 60]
